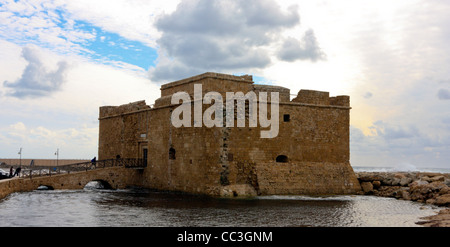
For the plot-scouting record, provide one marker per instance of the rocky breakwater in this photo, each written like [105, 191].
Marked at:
[426, 187]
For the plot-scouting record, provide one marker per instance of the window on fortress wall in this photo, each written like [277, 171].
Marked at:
[286, 117]
[171, 154]
[282, 159]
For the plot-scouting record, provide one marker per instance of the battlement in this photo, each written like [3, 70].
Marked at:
[284, 93]
[321, 98]
[108, 111]
[210, 82]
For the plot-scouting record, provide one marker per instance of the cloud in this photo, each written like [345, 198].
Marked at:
[443, 94]
[305, 49]
[44, 24]
[202, 35]
[36, 81]
[68, 119]
[389, 144]
[390, 132]
[368, 95]
[40, 142]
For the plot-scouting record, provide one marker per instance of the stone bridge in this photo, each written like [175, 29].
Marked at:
[117, 177]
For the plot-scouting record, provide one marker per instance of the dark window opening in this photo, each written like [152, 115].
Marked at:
[145, 156]
[230, 157]
[171, 153]
[286, 117]
[282, 159]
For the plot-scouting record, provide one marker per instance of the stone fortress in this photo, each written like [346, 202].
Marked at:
[309, 156]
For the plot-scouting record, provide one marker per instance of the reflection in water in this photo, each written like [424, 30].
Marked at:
[138, 207]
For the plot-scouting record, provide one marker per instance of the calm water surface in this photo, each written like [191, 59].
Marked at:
[138, 207]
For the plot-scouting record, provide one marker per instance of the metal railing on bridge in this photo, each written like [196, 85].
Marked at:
[29, 171]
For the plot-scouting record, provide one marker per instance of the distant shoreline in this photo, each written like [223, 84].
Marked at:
[40, 162]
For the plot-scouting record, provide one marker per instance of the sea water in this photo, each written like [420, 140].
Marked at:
[141, 207]
[404, 167]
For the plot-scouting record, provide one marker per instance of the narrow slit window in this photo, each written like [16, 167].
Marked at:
[171, 153]
[286, 117]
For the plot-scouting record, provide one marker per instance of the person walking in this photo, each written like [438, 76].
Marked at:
[94, 163]
[17, 171]
[11, 172]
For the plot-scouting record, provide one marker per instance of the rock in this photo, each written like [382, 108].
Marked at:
[444, 211]
[418, 183]
[442, 219]
[437, 178]
[386, 181]
[444, 190]
[368, 177]
[430, 201]
[429, 174]
[447, 182]
[388, 191]
[367, 187]
[437, 186]
[376, 184]
[395, 181]
[419, 190]
[406, 195]
[401, 192]
[443, 200]
[405, 181]
[238, 190]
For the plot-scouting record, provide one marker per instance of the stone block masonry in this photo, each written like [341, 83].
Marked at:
[115, 177]
[309, 156]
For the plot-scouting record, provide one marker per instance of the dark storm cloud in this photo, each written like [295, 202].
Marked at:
[35, 80]
[224, 35]
[305, 49]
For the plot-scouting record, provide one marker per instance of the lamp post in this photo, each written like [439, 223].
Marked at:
[57, 156]
[20, 157]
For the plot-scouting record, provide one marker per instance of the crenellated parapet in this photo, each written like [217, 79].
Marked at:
[109, 111]
[321, 98]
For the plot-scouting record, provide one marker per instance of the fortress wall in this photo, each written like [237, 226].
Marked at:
[316, 135]
[306, 178]
[195, 168]
[121, 134]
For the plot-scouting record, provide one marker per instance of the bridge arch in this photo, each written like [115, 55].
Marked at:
[98, 184]
[45, 187]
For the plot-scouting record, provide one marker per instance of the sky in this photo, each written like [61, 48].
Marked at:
[61, 60]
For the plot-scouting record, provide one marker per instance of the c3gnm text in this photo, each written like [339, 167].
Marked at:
[225, 237]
